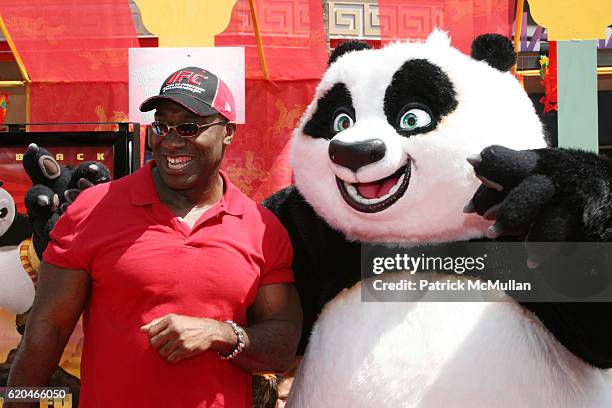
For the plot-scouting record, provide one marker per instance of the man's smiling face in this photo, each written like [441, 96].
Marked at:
[189, 163]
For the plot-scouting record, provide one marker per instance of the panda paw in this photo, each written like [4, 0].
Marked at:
[40, 165]
[47, 200]
[86, 175]
[545, 195]
[41, 201]
[43, 212]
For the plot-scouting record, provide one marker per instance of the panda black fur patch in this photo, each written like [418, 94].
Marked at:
[337, 99]
[19, 230]
[345, 47]
[423, 85]
[495, 49]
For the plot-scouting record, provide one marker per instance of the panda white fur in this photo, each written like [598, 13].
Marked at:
[380, 155]
[16, 287]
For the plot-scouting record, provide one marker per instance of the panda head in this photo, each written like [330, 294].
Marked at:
[380, 153]
[7, 210]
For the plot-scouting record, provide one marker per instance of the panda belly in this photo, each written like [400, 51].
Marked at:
[16, 287]
[440, 354]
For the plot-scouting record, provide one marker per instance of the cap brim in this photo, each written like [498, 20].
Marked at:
[195, 106]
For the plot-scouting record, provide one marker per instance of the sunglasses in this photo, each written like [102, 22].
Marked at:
[185, 130]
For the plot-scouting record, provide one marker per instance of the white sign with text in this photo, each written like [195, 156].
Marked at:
[150, 66]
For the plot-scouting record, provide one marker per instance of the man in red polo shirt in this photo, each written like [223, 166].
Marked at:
[185, 284]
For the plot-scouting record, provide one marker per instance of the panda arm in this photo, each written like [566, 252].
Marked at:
[324, 263]
[287, 205]
[555, 195]
[549, 195]
[583, 328]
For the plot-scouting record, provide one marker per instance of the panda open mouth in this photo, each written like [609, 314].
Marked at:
[377, 195]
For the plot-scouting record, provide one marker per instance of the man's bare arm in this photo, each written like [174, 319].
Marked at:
[60, 298]
[275, 326]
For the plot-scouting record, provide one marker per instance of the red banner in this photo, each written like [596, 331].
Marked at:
[292, 35]
[463, 19]
[295, 52]
[549, 79]
[258, 158]
[78, 102]
[75, 52]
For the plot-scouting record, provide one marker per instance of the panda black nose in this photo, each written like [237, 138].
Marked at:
[358, 154]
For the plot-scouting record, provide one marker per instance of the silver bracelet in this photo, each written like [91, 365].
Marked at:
[241, 336]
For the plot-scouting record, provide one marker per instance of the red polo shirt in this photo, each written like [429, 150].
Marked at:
[144, 263]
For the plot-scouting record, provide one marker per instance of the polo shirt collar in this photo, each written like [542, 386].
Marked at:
[143, 189]
[144, 192]
[233, 199]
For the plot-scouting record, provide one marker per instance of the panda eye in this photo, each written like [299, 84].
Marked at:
[3, 212]
[342, 121]
[413, 119]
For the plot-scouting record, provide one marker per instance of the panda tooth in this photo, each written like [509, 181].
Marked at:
[396, 186]
[393, 190]
[352, 191]
[350, 188]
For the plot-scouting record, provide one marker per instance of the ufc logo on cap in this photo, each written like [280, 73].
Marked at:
[189, 75]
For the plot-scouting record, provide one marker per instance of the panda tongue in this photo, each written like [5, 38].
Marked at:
[376, 189]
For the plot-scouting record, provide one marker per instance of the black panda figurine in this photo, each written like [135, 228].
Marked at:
[54, 188]
[380, 156]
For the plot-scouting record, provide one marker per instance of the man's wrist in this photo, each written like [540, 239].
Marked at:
[225, 340]
[241, 341]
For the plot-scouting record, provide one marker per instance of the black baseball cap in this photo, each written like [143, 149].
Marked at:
[198, 90]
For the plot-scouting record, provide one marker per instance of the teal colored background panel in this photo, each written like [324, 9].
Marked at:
[577, 93]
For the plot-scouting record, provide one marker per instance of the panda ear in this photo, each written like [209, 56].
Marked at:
[495, 49]
[438, 38]
[345, 47]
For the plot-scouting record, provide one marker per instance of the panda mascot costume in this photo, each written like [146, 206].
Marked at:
[380, 156]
